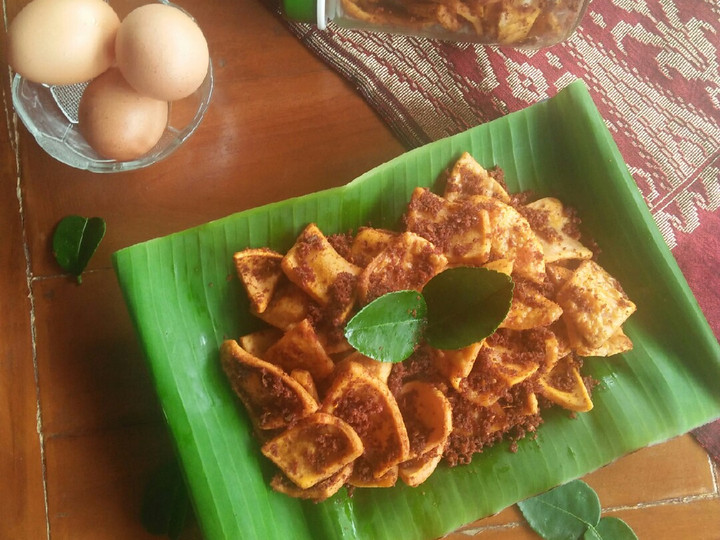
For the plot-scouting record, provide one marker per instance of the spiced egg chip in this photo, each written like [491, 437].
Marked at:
[510, 363]
[367, 404]
[467, 177]
[272, 398]
[456, 364]
[375, 368]
[368, 243]
[512, 238]
[551, 221]
[259, 271]
[617, 343]
[594, 305]
[313, 449]
[256, 343]
[415, 471]
[363, 477]
[288, 305]
[313, 265]
[304, 377]
[459, 229]
[564, 386]
[427, 415]
[300, 348]
[530, 308]
[317, 493]
[407, 263]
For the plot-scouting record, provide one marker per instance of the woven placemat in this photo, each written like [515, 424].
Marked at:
[652, 69]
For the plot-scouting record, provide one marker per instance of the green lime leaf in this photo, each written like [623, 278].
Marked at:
[610, 528]
[166, 504]
[465, 305]
[74, 242]
[563, 513]
[389, 327]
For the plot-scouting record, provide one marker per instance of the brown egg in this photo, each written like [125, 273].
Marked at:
[162, 52]
[117, 121]
[62, 41]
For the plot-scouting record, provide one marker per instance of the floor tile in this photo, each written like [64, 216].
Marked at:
[499, 532]
[89, 380]
[96, 481]
[696, 520]
[693, 520]
[22, 506]
[677, 468]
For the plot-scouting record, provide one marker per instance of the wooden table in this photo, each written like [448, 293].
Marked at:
[80, 427]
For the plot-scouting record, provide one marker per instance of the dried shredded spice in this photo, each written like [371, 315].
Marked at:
[342, 242]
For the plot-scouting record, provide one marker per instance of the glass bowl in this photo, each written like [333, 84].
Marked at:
[50, 113]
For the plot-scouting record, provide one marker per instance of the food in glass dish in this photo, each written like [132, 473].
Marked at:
[531, 23]
[328, 415]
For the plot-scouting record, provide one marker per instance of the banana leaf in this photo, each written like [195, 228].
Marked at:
[184, 300]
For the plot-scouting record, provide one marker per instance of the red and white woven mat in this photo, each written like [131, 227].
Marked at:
[653, 70]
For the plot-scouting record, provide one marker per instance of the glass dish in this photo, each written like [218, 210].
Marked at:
[184, 300]
[49, 112]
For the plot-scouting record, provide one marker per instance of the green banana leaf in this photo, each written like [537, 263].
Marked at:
[184, 300]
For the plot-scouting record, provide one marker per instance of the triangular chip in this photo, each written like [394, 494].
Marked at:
[441, 14]
[483, 386]
[299, 348]
[504, 266]
[415, 471]
[368, 242]
[305, 379]
[459, 229]
[455, 364]
[507, 358]
[467, 177]
[367, 405]
[289, 305]
[553, 351]
[594, 305]
[272, 398]
[618, 343]
[407, 263]
[259, 271]
[530, 308]
[564, 386]
[363, 476]
[379, 370]
[314, 266]
[317, 493]
[313, 449]
[512, 238]
[256, 343]
[427, 415]
[558, 274]
[513, 361]
[551, 222]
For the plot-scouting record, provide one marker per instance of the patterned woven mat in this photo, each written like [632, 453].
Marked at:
[653, 70]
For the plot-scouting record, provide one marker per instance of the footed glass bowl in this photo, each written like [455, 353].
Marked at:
[50, 113]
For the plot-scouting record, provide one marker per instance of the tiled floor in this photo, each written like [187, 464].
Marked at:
[80, 427]
[664, 491]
